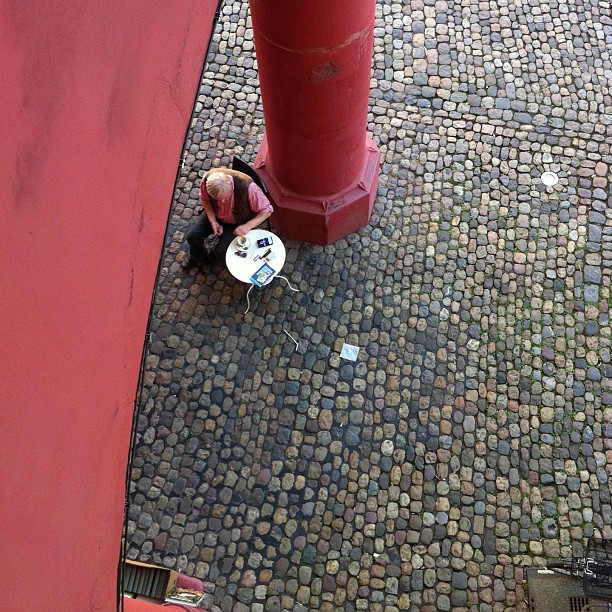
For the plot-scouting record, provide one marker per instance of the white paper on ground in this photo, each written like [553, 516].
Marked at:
[349, 352]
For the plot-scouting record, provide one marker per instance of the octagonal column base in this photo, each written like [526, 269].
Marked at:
[325, 219]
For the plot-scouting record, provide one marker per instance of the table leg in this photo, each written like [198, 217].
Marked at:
[287, 281]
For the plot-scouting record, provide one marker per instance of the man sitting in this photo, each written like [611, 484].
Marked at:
[233, 206]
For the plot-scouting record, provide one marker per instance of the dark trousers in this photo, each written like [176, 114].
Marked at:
[200, 231]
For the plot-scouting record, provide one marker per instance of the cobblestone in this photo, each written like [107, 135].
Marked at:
[472, 436]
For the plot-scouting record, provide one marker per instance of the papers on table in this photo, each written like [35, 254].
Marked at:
[263, 275]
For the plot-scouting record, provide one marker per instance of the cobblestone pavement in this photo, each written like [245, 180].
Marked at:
[472, 436]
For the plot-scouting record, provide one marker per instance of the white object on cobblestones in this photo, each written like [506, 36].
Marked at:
[550, 179]
[297, 346]
[349, 352]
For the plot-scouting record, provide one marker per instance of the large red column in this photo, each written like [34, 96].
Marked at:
[314, 59]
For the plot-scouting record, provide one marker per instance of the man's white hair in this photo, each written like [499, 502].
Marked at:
[218, 183]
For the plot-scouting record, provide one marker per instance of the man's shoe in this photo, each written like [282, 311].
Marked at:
[189, 263]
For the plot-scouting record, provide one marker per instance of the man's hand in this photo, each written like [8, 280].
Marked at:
[216, 228]
[242, 230]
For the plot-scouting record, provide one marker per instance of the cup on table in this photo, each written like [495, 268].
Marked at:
[243, 243]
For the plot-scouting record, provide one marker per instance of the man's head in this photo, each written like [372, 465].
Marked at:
[219, 184]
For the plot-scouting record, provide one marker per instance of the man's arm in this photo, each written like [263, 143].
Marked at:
[260, 205]
[210, 213]
[257, 220]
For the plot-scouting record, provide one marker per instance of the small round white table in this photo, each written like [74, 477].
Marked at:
[243, 268]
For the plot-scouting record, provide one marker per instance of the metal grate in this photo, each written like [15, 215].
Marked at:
[576, 604]
[146, 580]
[552, 592]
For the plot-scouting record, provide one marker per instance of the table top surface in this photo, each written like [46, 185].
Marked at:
[243, 268]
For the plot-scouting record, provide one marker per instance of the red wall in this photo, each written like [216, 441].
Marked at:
[95, 98]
